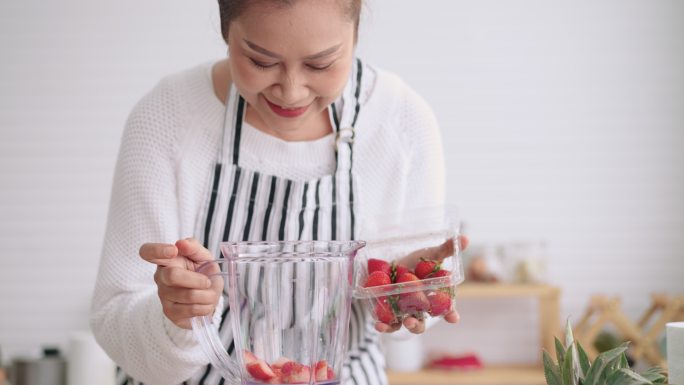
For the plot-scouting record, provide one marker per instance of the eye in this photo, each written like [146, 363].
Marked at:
[262, 65]
[316, 67]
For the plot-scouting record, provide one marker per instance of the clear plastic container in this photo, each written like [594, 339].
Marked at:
[408, 239]
[290, 304]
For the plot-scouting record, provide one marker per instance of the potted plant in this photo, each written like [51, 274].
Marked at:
[573, 366]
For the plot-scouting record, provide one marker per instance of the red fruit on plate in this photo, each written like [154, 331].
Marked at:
[464, 362]
[440, 303]
[331, 373]
[295, 373]
[379, 265]
[260, 370]
[377, 278]
[383, 311]
[322, 370]
[424, 268]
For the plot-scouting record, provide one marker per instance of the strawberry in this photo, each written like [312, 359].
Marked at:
[278, 379]
[379, 265]
[250, 357]
[278, 364]
[331, 373]
[439, 273]
[260, 370]
[413, 303]
[440, 303]
[383, 310]
[295, 373]
[407, 277]
[377, 278]
[398, 270]
[424, 268]
[322, 370]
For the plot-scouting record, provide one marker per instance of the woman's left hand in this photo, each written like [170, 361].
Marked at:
[415, 325]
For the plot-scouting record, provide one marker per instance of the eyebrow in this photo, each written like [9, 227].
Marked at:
[315, 56]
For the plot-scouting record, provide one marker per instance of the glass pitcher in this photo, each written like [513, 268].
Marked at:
[290, 303]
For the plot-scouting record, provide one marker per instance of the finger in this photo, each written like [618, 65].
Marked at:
[452, 317]
[414, 325]
[180, 311]
[464, 241]
[179, 277]
[189, 296]
[158, 253]
[385, 328]
[445, 250]
[193, 250]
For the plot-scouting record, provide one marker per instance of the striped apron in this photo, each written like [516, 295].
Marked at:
[246, 205]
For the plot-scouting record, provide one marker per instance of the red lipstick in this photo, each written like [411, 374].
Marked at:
[286, 112]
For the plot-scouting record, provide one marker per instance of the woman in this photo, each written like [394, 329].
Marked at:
[290, 123]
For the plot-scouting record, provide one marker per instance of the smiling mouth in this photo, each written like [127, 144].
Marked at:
[286, 112]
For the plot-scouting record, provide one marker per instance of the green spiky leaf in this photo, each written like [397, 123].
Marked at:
[609, 368]
[569, 338]
[595, 371]
[584, 362]
[567, 369]
[551, 370]
[626, 376]
[623, 362]
[655, 375]
[560, 351]
[611, 356]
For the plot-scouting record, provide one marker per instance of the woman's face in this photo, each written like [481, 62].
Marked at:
[290, 63]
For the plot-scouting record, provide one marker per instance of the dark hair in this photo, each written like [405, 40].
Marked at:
[229, 10]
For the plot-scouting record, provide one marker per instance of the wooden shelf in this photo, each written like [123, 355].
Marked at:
[547, 296]
[494, 375]
[503, 290]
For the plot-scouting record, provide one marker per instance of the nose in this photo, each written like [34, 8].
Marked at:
[292, 88]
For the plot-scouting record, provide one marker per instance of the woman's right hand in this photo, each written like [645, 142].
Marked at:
[183, 292]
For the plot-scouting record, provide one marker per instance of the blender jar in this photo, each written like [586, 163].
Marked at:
[289, 304]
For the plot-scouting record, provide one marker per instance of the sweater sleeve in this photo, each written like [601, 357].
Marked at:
[426, 168]
[126, 316]
[426, 176]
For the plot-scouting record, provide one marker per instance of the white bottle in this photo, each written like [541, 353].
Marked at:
[403, 354]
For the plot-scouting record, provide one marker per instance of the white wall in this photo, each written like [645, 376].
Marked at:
[563, 121]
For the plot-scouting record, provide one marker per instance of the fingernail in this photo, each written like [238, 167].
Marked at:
[170, 251]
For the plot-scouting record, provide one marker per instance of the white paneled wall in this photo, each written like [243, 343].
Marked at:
[70, 72]
[563, 121]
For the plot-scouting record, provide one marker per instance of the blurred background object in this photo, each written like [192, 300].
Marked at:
[48, 369]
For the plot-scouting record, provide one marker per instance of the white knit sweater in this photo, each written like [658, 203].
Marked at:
[164, 168]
